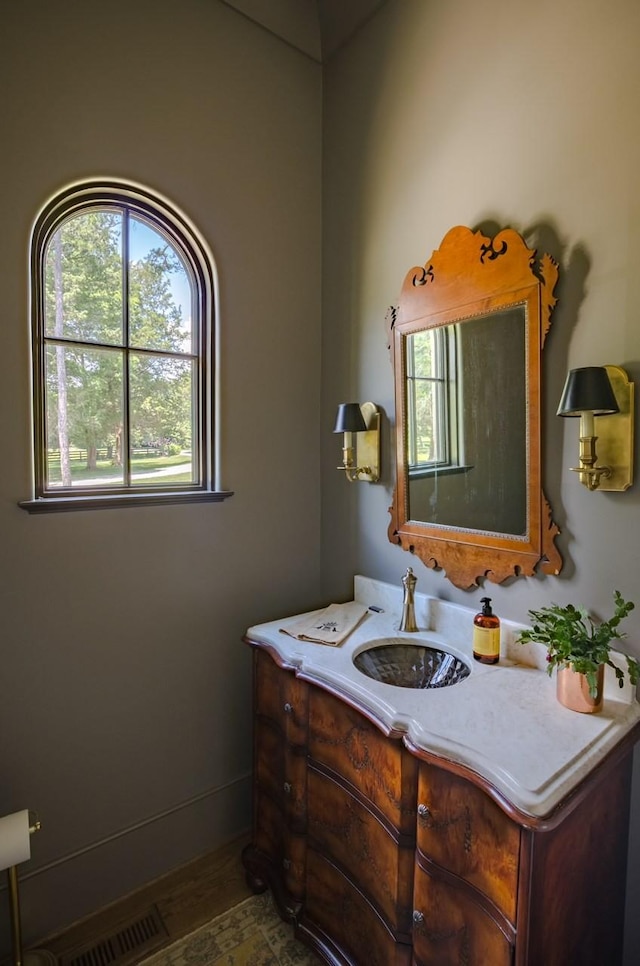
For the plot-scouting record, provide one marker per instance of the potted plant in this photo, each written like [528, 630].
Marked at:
[579, 647]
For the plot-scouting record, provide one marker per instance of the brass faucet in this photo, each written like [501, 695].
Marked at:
[408, 620]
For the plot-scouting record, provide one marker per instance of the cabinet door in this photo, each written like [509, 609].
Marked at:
[280, 763]
[380, 768]
[281, 698]
[336, 910]
[280, 773]
[461, 829]
[344, 830]
[284, 849]
[452, 929]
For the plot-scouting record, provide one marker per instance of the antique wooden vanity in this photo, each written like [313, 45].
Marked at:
[481, 824]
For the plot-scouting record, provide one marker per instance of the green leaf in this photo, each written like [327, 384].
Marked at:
[573, 638]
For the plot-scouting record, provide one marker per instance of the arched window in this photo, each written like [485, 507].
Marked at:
[124, 360]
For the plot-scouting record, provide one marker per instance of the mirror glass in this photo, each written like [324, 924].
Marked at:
[466, 341]
[466, 404]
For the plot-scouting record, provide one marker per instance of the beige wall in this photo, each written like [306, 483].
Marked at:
[492, 114]
[125, 714]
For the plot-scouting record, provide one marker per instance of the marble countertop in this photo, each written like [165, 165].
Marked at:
[503, 721]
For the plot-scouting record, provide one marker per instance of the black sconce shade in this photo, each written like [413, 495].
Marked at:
[349, 419]
[588, 390]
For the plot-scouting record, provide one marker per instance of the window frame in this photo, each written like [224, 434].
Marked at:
[184, 237]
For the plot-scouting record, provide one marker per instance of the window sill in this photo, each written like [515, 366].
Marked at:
[423, 473]
[61, 504]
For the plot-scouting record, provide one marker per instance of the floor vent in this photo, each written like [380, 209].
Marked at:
[129, 943]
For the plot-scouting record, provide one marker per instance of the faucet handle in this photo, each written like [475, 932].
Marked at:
[409, 580]
[408, 621]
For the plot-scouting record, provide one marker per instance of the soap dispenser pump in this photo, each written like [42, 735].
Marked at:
[486, 634]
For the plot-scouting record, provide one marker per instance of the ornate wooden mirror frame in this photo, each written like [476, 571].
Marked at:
[498, 285]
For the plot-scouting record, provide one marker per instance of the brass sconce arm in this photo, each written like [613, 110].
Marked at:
[352, 471]
[590, 474]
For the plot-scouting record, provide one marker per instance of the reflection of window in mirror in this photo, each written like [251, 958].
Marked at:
[433, 407]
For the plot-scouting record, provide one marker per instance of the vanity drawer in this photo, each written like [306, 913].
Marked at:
[281, 772]
[284, 848]
[450, 928]
[341, 912]
[462, 830]
[280, 697]
[344, 830]
[380, 768]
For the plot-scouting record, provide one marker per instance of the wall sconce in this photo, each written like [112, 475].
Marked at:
[360, 424]
[603, 393]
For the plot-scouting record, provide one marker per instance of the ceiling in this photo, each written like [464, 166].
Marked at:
[316, 27]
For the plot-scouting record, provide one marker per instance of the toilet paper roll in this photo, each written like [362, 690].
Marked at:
[15, 846]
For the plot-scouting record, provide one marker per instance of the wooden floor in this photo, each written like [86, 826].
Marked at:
[185, 899]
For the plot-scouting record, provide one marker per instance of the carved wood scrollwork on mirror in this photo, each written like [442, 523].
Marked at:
[466, 343]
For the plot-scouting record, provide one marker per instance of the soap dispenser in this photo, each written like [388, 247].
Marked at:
[486, 634]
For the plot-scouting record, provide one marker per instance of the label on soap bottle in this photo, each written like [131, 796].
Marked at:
[486, 642]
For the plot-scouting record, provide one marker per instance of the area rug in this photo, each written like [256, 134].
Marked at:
[250, 934]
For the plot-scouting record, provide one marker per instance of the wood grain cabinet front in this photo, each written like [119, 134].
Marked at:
[366, 849]
[451, 928]
[379, 768]
[339, 920]
[361, 812]
[461, 830]
[280, 782]
[383, 854]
